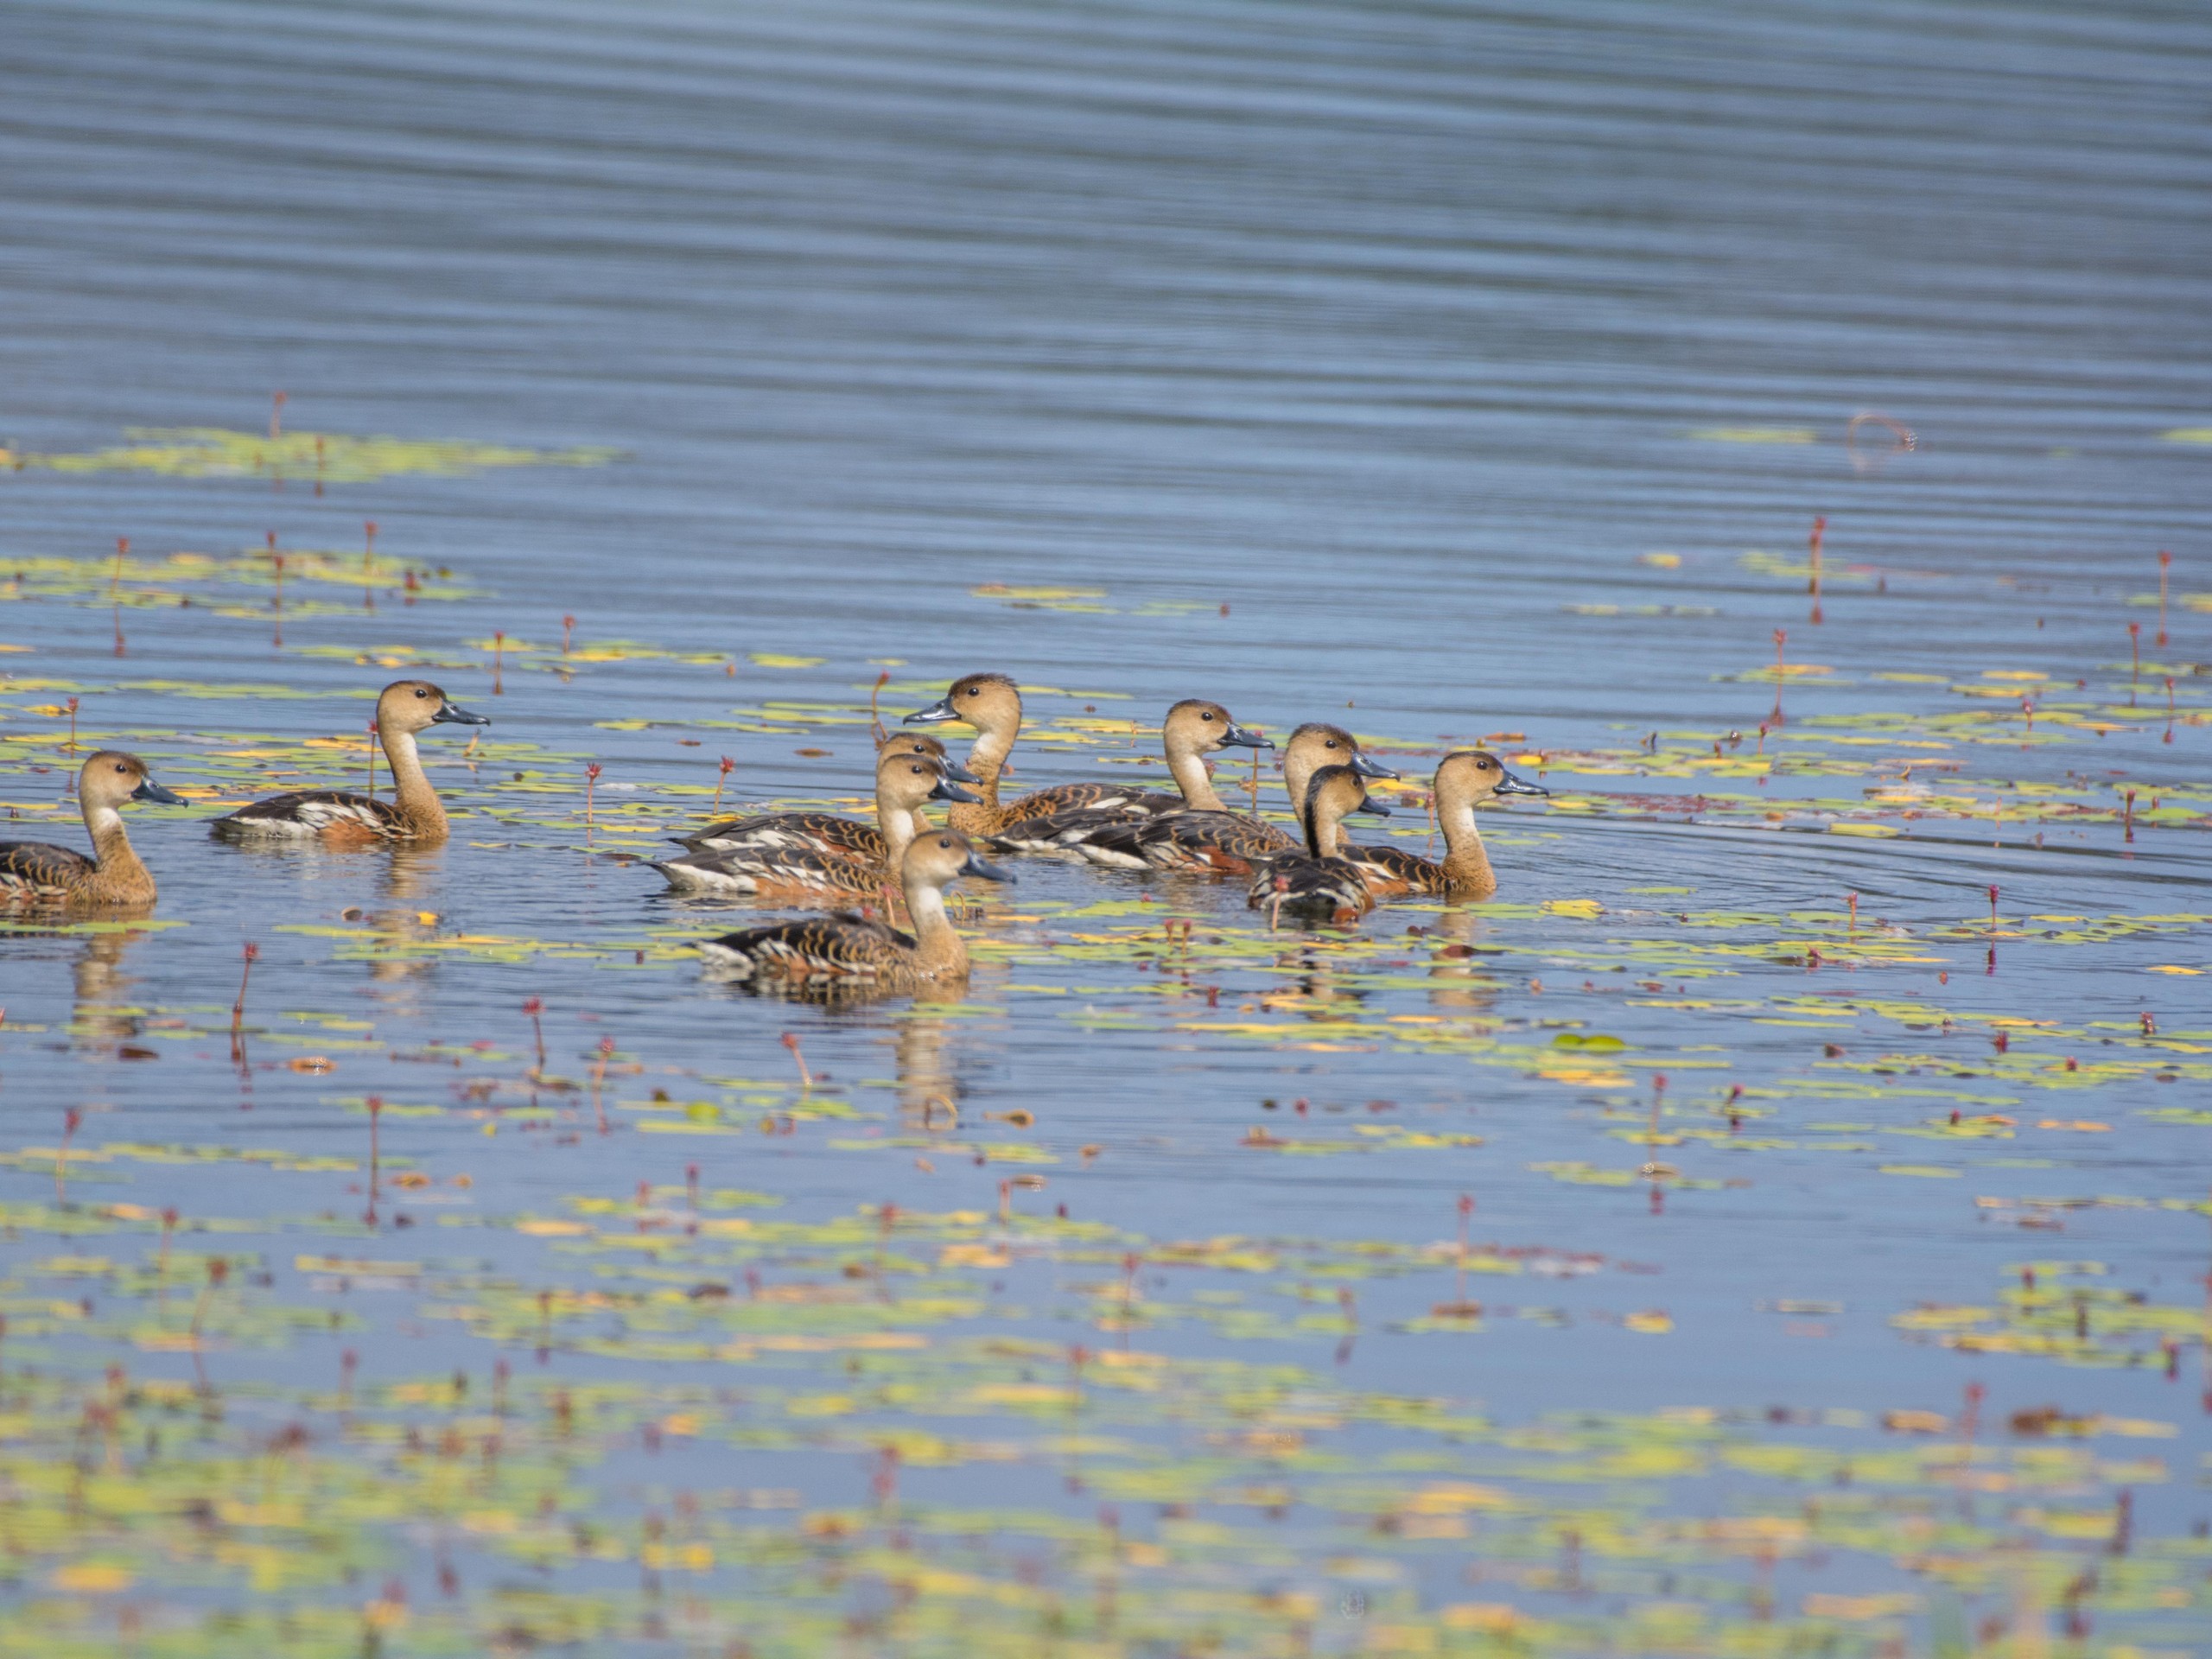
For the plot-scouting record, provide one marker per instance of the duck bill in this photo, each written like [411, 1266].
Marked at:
[976, 865]
[954, 770]
[1373, 809]
[936, 714]
[1367, 768]
[946, 789]
[148, 790]
[1238, 738]
[449, 715]
[1513, 785]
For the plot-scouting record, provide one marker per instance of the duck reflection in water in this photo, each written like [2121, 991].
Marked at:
[105, 1013]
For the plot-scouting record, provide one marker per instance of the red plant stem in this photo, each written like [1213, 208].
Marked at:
[599, 1080]
[1781, 639]
[806, 1078]
[122, 550]
[373, 760]
[2165, 563]
[727, 766]
[568, 628]
[70, 1120]
[2169, 712]
[238, 1009]
[276, 417]
[1820, 527]
[2128, 820]
[499, 659]
[874, 720]
[534, 1007]
[591, 776]
[73, 725]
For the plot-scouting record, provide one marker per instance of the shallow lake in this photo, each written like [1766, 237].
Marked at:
[1777, 1223]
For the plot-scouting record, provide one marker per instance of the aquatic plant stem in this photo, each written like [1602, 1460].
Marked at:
[591, 779]
[1781, 639]
[2165, 565]
[70, 1120]
[875, 725]
[789, 1039]
[499, 661]
[568, 632]
[237, 1009]
[1820, 527]
[276, 400]
[2135, 654]
[721, 776]
[534, 1007]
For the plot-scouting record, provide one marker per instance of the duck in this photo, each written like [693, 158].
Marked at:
[855, 860]
[826, 832]
[1321, 880]
[853, 948]
[403, 708]
[1464, 780]
[992, 705]
[1193, 729]
[34, 872]
[1222, 842]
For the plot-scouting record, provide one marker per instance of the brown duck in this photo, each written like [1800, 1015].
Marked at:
[35, 872]
[1321, 880]
[804, 857]
[1194, 728]
[405, 708]
[853, 949]
[1229, 844]
[1464, 781]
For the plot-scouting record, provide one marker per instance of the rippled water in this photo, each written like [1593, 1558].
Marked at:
[1445, 371]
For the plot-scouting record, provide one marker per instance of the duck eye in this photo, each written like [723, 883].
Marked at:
[420, 692]
[1206, 716]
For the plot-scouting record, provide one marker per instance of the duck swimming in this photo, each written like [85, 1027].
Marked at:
[1193, 729]
[809, 856]
[992, 705]
[850, 948]
[1464, 781]
[1229, 844]
[827, 830]
[35, 872]
[405, 708]
[1321, 880]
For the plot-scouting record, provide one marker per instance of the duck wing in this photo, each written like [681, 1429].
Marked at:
[1224, 841]
[35, 868]
[1396, 869]
[1297, 881]
[1069, 827]
[761, 870]
[845, 945]
[310, 813]
[822, 830]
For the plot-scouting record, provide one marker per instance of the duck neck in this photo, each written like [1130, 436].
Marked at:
[1466, 862]
[938, 950]
[116, 862]
[1325, 831]
[987, 759]
[1188, 768]
[418, 802]
[900, 823]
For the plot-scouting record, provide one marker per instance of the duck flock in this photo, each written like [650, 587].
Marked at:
[785, 858]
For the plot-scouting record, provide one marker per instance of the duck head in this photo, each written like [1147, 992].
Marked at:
[989, 702]
[412, 706]
[111, 776]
